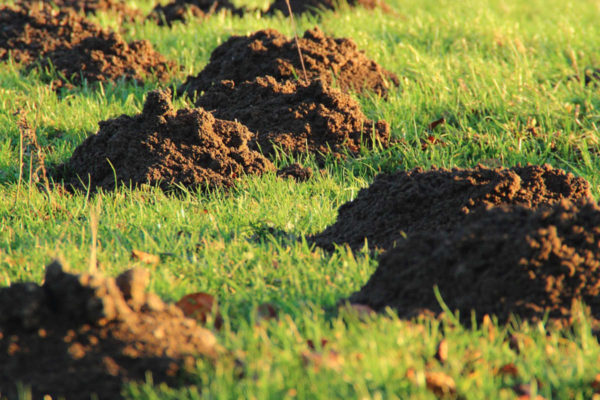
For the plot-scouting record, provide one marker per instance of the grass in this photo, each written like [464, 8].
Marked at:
[497, 71]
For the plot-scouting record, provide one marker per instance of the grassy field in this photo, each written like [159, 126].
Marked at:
[496, 71]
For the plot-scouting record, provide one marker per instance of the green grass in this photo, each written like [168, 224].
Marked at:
[490, 68]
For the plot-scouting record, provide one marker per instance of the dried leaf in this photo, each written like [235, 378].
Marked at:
[509, 369]
[199, 306]
[596, 383]
[436, 123]
[442, 351]
[440, 384]
[144, 257]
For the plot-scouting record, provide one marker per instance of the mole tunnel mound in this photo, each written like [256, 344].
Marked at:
[409, 202]
[296, 117]
[179, 10]
[118, 7]
[83, 334]
[164, 147]
[268, 52]
[311, 6]
[507, 260]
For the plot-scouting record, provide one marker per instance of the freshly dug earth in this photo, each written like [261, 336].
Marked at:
[178, 10]
[107, 57]
[310, 6]
[162, 146]
[90, 6]
[409, 202]
[296, 172]
[77, 335]
[295, 116]
[505, 260]
[31, 32]
[268, 52]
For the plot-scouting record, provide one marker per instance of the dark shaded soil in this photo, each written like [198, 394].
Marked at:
[90, 6]
[296, 172]
[164, 147]
[107, 57]
[82, 334]
[178, 10]
[268, 52]
[295, 116]
[31, 32]
[310, 6]
[410, 202]
[506, 260]
[592, 76]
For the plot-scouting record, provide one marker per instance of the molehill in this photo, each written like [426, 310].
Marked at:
[178, 10]
[310, 6]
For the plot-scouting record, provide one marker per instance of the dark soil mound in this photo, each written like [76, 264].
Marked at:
[295, 116]
[90, 6]
[310, 6]
[418, 201]
[82, 334]
[268, 52]
[107, 57]
[31, 32]
[178, 10]
[296, 172]
[502, 261]
[166, 147]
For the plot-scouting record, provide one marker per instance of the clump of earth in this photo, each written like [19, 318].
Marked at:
[295, 171]
[310, 6]
[118, 7]
[410, 202]
[296, 117]
[165, 147]
[268, 52]
[83, 334]
[179, 10]
[506, 260]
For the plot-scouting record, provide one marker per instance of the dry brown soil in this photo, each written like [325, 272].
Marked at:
[90, 6]
[296, 172]
[80, 334]
[166, 147]
[268, 52]
[409, 202]
[505, 260]
[310, 6]
[295, 116]
[178, 10]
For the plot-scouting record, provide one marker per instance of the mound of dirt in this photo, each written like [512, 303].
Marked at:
[90, 6]
[164, 147]
[295, 116]
[178, 10]
[77, 335]
[311, 6]
[505, 260]
[107, 57]
[31, 32]
[268, 52]
[408, 202]
[296, 172]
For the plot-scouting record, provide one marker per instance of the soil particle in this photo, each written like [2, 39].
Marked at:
[162, 146]
[312, 6]
[509, 259]
[77, 335]
[178, 10]
[295, 171]
[268, 52]
[408, 202]
[295, 116]
[90, 6]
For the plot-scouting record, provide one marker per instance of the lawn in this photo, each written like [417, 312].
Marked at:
[506, 77]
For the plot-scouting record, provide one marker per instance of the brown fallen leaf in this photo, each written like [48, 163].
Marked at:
[144, 257]
[509, 369]
[199, 306]
[596, 383]
[442, 351]
[431, 140]
[436, 123]
[440, 384]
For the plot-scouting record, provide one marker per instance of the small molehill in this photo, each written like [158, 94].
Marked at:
[311, 6]
[296, 172]
[83, 334]
[408, 202]
[268, 52]
[179, 10]
[507, 260]
[118, 7]
[296, 117]
[164, 147]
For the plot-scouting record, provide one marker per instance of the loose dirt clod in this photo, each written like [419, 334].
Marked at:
[310, 6]
[162, 146]
[178, 10]
[268, 52]
[79, 334]
[295, 116]
[90, 6]
[505, 260]
[295, 171]
[408, 202]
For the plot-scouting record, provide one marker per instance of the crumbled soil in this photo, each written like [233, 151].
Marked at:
[505, 260]
[312, 6]
[268, 52]
[296, 172]
[296, 117]
[29, 33]
[164, 147]
[91, 6]
[179, 10]
[409, 202]
[80, 334]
